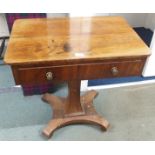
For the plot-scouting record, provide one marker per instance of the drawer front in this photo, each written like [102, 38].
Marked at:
[41, 75]
[111, 70]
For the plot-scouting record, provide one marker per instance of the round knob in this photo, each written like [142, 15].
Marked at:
[114, 71]
[49, 75]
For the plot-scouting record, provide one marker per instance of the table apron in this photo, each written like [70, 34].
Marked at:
[41, 75]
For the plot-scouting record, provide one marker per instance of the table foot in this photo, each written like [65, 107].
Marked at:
[60, 122]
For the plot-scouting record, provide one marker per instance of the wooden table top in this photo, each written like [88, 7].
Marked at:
[70, 39]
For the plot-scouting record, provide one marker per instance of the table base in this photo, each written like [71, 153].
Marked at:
[60, 118]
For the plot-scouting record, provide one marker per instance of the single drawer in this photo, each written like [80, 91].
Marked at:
[41, 75]
[111, 69]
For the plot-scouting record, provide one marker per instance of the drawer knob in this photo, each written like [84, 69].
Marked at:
[114, 71]
[49, 75]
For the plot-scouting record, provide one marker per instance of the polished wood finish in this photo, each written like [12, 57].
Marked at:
[45, 40]
[61, 118]
[56, 50]
[37, 75]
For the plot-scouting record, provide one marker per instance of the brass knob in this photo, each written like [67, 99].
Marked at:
[49, 76]
[114, 71]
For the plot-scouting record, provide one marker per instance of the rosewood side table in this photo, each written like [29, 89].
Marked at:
[73, 49]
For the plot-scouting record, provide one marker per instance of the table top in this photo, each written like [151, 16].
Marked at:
[70, 39]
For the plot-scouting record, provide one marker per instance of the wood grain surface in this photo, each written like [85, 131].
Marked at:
[63, 39]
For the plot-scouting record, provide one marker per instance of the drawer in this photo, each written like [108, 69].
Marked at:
[41, 75]
[111, 69]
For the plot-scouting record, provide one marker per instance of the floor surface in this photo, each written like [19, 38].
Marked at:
[130, 111]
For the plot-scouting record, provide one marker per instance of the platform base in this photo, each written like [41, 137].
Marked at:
[61, 118]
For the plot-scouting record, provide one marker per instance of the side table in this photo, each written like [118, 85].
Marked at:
[50, 51]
